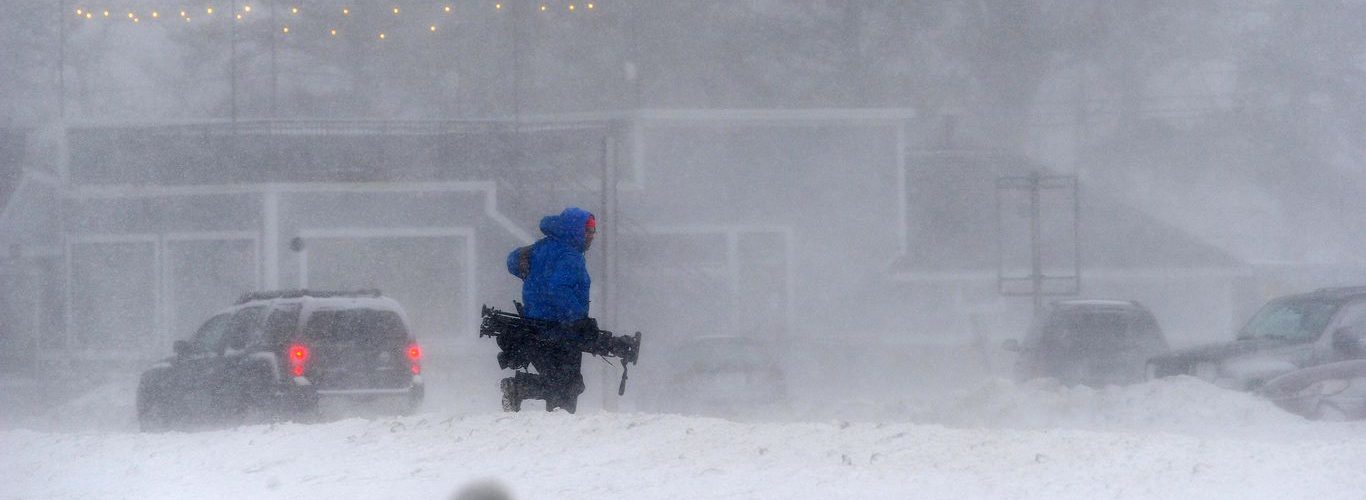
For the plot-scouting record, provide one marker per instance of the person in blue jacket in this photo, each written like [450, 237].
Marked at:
[555, 286]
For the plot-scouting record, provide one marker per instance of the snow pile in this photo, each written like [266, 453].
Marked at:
[1179, 404]
[1177, 438]
[540, 455]
[109, 405]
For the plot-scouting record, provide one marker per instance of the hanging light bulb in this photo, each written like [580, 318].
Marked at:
[156, 15]
[346, 12]
[395, 11]
[433, 28]
[590, 6]
[87, 15]
[498, 6]
[182, 13]
[285, 29]
[293, 10]
[448, 8]
[543, 7]
[209, 10]
[246, 8]
[381, 36]
[239, 17]
[79, 12]
[334, 32]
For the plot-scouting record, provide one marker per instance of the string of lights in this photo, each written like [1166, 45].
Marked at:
[332, 20]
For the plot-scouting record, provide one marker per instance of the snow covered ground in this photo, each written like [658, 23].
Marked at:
[1176, 438]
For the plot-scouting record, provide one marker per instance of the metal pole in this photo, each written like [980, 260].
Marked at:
[1000, 243]
[232, 64]
[514, 6]
[274, 74]
[460, 76]
[606, 245]
[608, 402]
[1036, 259]
[1076, 232]
[61, 61]
[515, 13]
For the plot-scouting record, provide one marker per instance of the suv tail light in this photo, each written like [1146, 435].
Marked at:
[414, 357]
[298, 356]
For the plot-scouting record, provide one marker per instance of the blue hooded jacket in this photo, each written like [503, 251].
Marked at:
[553, 270]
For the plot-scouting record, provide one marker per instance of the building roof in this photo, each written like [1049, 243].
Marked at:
[952, 205]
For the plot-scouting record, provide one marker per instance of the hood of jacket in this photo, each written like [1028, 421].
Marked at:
[568, 227]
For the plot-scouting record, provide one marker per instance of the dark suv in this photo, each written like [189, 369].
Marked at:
[278, 354]
[1089, 342]
[1287, 334]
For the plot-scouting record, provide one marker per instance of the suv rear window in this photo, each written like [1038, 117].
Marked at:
[355, 326]
[1293, 320]
[1088, 326]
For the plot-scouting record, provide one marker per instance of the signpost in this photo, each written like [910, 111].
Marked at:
[1038, 246]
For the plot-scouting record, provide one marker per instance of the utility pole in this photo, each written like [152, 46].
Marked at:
[516, 12]
[61, 61]
[1035, 257]
[608, 199]
[274, 74]
[232, 65]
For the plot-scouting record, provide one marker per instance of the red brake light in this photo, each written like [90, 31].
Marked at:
[414, 354]
[298, 355]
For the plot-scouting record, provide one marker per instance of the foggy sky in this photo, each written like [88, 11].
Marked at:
[1259, 102]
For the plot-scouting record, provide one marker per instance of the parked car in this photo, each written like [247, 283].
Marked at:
[279, 355]
[1333, 391]
[727, 376]
[1287, 334]
[1089, 342]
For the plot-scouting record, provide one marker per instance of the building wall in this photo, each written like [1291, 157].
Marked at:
[146, 265]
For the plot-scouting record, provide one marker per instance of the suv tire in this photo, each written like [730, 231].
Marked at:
[254, 403]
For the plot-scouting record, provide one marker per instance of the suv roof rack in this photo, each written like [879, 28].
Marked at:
[294, 294]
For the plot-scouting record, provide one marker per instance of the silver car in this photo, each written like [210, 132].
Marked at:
[1333, 391]
[1287, 334]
